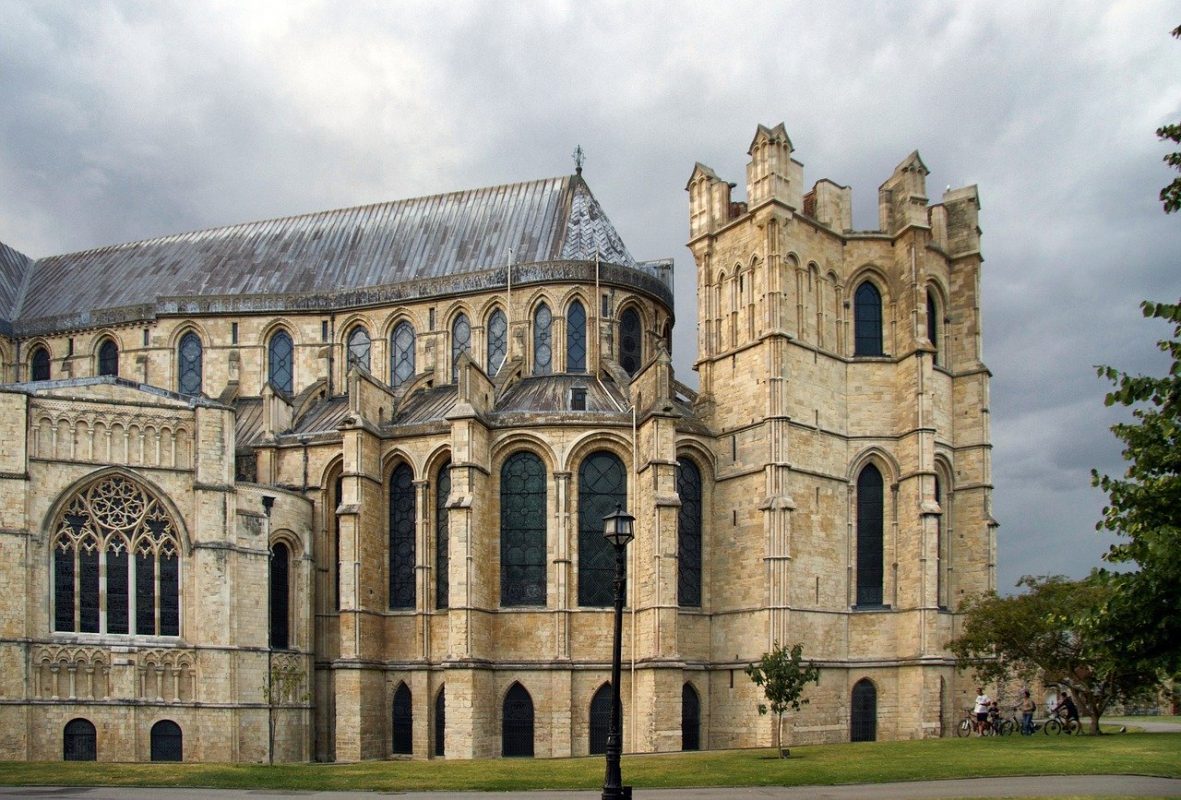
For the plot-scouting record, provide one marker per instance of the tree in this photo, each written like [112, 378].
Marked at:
[1045, 634]
[1144, 508]
[783, 676]
[1170, 196]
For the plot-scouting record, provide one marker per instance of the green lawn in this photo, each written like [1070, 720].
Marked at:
[1146, 754]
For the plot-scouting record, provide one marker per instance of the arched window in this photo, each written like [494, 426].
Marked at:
[101, 528]
[280, 592]
[863, 716]
[600, 719]
[79, 741]
[867, 320]
[442, 537]
[602, 487]
[870, 516]
[108, 358]
[281, 362]
[403, 722]
[334, 522]
[941, 556]
[402, 519]
[188, 364]
[516, 731]
[543, 350]
[690, 718]
[497, 341]
[689, 534]
[359, 345]
[933, 325]
[441, 722]
[167, 741]
[576, 338]
[522, 531]
[461, 342]
[39, 364]
[401, 353]
[631, 345]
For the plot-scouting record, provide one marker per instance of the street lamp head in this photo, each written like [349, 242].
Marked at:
[619, 527]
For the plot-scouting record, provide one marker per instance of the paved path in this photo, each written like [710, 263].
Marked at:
[1067, 786]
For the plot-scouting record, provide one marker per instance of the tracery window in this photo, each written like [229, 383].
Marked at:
[359, 345]
[576, 338]
[630, 341]
[402, 551]
[401, 353]
[280, 362]
[442, 537]
[867, 320]
[461, 342]
[497, 341]
[543, 350]
[602, 487]
[108, 358]
[39, 364]
[870, 517]
[689, 534]
[522, 531]
[188, 364]
[100, 530]
[280, 596]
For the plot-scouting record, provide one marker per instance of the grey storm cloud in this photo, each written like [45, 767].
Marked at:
[125, 120]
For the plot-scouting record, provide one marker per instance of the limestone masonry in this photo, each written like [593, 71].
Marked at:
[331, 487]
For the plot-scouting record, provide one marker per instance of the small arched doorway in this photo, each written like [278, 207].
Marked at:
[441, 722]
[517, 723]
[79, 741]
[690, 718]
[863, 725]
[600, 719]
[167, 741]
[403, 721]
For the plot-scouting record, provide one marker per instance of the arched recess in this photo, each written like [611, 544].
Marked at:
[944, 496]
[863, 712]
[516, 723]
[79, 741]
[690, 718]
[167, 741]
[442, 492]
[599, 722]
[403, 721]
[328, 555]
[935, 314]
[441, 722]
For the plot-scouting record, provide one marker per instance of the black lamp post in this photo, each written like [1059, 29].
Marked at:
[619, 530]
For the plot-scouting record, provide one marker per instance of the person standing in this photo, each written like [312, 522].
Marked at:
[1027, 707]
[982, 703]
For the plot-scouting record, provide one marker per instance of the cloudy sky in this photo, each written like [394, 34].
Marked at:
[125, 120]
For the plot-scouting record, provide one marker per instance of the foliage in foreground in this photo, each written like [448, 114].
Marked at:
[783, 676]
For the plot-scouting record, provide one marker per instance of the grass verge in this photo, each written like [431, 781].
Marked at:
[873, 762]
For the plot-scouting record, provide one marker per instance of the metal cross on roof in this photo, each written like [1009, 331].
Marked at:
[579, 157]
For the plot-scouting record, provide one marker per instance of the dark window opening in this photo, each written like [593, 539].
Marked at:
[403, 721]
[79, 741]
[602, 487]
[576, 338]
[280, 594]
[600, 719]
[39, 365]
[281, 362]
[523, 531]
[189, 356]
[516, 730]
[690, 719]
[867, 321]
[689, 520]
[108, 358]
[442, 537]
[631, 347]
[402, 549]
[870, 515]
[441, 722]
[864, 712]
[167, 741]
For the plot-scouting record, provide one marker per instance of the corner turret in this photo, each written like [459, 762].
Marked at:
[772, 173]
[902, 200]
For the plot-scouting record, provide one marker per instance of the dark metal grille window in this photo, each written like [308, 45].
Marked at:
[401, 354]
[79, 741]
[497, 341]
[108, 358]
[600, 719]
[543, 350]
[280, 591]
[522, 531]
[442, 537]
[867, 320]
[100, 530]
[280, 362]
[864, 712]
[690, 719]
[189, 364]
[403, 722]
[441, 722]
[933, 325]
[167, 741]
[39, 365]
[461, 342]
[576, 338]
[870, 513]
[359, 348]
[246, 467]
[516, 732]
[602, 486]
[689, 534]
[402, 518]
[630, 341]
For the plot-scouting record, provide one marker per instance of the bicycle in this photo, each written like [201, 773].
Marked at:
[1061, 724]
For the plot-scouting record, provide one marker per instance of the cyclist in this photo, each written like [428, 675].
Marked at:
[1067, 708]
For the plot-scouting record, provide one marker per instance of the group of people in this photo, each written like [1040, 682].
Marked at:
[987, 712]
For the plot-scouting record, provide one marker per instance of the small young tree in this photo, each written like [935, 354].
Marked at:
[783, 676]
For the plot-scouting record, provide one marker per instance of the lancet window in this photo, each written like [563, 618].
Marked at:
[461, 342]
[359, 345]
[497, 341]
[867, 320]
[280, 362]
[188, 364]
[630, 341]
[401, 353]
[543, 349]
[108, 358]
[576, 338]
[689, 534]
[602, 488]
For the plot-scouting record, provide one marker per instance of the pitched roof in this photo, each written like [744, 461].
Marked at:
[556, 219]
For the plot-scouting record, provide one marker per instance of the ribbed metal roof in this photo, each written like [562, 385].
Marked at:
[552, 393]
[556, 219]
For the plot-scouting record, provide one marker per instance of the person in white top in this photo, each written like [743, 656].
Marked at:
[983, 701]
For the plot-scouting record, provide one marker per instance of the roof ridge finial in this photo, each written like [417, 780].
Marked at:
[579, 156]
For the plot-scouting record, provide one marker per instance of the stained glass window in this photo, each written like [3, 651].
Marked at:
[402, 552]
[689, 534]
[602, 488]
[576, 338]
[401, 354]
[461, 342]
[359, 347]
[867, 320]
[870, 514]
[280, 362]
[543, 351]
[280, 594]
[442, 537]
[630, 341]
[39, 365]
[118, 599]
[522, 531]
[497, 341]
[108, 358]
[88, 587]
[188, 365]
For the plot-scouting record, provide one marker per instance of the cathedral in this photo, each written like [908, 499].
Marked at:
[332, 487]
